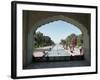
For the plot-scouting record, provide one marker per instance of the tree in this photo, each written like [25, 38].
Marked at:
[41, 40]
[38, 37]
[63, 42]
[80, 40]
[69, 40]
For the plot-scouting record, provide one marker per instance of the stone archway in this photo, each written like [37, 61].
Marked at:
[55, 18]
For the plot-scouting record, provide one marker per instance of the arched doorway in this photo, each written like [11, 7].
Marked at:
[55, 18]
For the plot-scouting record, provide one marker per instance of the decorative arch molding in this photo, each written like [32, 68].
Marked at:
[49, 20]
[56, 18]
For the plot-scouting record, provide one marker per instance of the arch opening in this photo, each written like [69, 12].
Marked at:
[57, 38]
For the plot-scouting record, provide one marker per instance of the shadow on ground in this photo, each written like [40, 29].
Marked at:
[57, 64]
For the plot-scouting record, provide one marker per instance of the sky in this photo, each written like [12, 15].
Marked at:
[58, 30]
